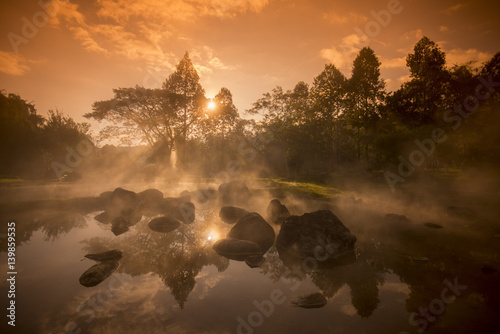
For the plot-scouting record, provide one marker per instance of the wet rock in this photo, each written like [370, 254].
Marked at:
[488, 270]
[234, 192]
[433, 225]
[103, 218]
[164, 224]
[394, 218]
[150, 199]
[111, 255]
[119, 225]
[236, 249]
[311, 300]
[98, 273]
[231, 214]
[255, 261]
[106, 195]
[314, 234]
[461, 213]
[204, 195]
[277, 212]
[254, 228]
[185, 212]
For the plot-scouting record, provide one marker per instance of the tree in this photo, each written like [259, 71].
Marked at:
[187, 98]
[366, 91]
[329, 95]
[429, 83]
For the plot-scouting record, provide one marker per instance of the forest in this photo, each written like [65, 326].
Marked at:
[444, 117]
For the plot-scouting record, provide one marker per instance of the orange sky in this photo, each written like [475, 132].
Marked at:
[82, 49]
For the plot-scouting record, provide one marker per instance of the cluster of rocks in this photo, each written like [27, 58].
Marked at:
[107, 264]
[316, 234]
[125, 208]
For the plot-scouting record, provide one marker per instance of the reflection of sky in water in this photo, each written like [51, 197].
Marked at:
[176, 283]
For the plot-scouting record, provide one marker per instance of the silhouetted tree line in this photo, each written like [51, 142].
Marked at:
[30, 143]
[337, 123]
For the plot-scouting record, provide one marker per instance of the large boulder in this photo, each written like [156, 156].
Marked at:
[236, 249]
[318, 234]
[234, 192]
[185, 212]
[150, 199]
[311, 300]
[253, 227]
[277, 212]
[231, 214]
[122, 203]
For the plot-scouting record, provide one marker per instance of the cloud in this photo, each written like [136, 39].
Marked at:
[144, 29]
[444, 29]
[343, 55]
[403, 79]
[13, 63]
[352, 17]
[393, 62]
[455, 8]
[413, 35]
[461, 56]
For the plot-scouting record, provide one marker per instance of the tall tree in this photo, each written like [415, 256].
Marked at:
[183, 88]
[366, 91]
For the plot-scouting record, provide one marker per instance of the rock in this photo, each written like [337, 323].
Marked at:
[150, 199]
[254, 228]
[185, 196]
[204, 195]
[235, 249]
[111, 255]
[277, 212]
[122, 203]
[488, 270]
[419, 259]
[255, 261]
[164, 224]
[98, 273]
[311, 300]
[103, 218]
[234, 192]
[394, 218]
[461, 213]
[433, 225]
[119, 225]
[231, 214]
[315, 234]
[185, 212]
[106, 195]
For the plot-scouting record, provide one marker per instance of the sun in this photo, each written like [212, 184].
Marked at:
[211, 105]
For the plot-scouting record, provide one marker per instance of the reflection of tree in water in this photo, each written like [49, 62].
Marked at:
[363, 277]
[177, 257]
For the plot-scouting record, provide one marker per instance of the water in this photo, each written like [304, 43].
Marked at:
[176, 283]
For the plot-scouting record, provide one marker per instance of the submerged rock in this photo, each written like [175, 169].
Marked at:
[255, 261]
[394, 218]
[235, 249]
[254, 228]
[111, 255]
[277, 212]
[488, 270]
[234, 192]
[461, 213]
[232, 214]
[311, 300]
[164, 224]
[98, 273]
[433, 225]
[314, 234]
